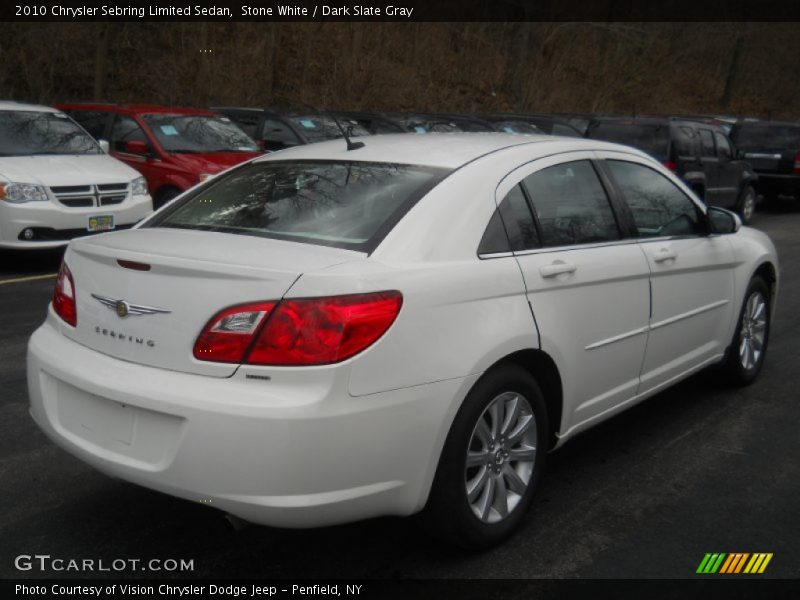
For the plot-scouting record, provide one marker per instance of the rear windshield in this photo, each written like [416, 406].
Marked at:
[29, 133]
[331, 203]
[187, 134]
[320, 127]
[653, 139]
[766, 136]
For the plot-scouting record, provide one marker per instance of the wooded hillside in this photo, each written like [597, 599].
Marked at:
[746, 68]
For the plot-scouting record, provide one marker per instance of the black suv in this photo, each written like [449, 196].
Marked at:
[276, 130]
[699, 153]
[773, 148]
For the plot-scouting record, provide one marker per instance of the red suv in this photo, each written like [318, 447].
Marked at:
[174, 148]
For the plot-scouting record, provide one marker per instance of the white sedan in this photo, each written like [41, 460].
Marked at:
[324, 335]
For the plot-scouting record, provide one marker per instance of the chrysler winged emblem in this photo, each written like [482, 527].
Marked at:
[123, 308]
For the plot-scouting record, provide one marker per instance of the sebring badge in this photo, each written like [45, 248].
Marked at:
[124, 308]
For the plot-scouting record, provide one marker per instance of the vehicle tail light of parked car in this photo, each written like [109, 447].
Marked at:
[671, 165]
[796, 163]
[312, 331]
[64, 296]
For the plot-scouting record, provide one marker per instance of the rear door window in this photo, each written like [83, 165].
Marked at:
[723, 146]
[571, 205]
[707, 149]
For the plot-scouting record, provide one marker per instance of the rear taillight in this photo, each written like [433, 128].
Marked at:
[797, 163]
[671, 165]
[310, 331]
[64, 296]
[229, 334]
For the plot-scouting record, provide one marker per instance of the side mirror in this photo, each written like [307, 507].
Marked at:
[723, 221]
[104, 146]
[137, 147]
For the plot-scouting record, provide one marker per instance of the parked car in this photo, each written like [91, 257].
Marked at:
[549, 124]
[699, 153]
[579, 121]
[57, 183]
[438, 123]
[773, 149]
[276, 130]
[174, 148]
[375, 123]
[512, 125]
[320, 336]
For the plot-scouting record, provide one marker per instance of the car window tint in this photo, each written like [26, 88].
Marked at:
[723, 147]
[659, 208]
[559, 129]
[707, 143]
[571, 205]
[246, 122]
[513, 220]
[126, 130]
[93, 121]
[685, 141]
[278, 135]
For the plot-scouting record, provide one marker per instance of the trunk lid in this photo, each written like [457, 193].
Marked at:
[192, 275]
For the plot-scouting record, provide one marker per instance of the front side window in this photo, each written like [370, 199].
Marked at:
[571, 205]
[126, 130]
[659, 208]
[93, 121]
[30, 133]
[278, 135]
[187, 134]
[344, 204]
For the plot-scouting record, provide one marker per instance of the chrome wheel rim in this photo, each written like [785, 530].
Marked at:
[500, 457]
[749, 205]
[753, 332]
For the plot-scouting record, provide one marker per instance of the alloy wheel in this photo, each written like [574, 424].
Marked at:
[753, 332]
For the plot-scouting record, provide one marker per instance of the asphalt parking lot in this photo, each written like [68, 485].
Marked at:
[696, 469]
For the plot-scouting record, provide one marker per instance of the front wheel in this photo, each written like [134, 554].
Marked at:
[749, 345]
[746, 205]
[491, 462]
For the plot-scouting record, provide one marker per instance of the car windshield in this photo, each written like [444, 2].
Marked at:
[344, 204]
[766, 136]
[186, 134]
[321, 127]
[653, 139]
[28, 133]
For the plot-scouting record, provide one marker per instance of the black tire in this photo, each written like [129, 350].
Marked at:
[746, 204]
[733, 370]
[165, 195]
[448, 513]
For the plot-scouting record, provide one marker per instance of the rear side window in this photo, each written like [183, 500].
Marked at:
[344, 204]
[685, 142]
[707, 143]
[511, 227]
[571, 205]
[766, 136]
[659, 208]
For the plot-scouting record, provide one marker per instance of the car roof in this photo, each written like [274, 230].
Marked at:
[12, 105]
[445, 150]
[138, 109]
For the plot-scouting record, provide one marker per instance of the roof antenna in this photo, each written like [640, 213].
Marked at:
[351, 145]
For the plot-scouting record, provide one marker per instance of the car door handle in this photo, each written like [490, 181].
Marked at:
[664, 254]
[557, 269]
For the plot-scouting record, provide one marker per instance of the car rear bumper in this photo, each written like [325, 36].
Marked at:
[54, 225]
[778, 185]
[266, 452]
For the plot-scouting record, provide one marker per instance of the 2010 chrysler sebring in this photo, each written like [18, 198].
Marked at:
[323, 334]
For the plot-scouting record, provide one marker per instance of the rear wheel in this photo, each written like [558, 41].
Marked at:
[749, 345]
[492, 461]
[746, 204]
